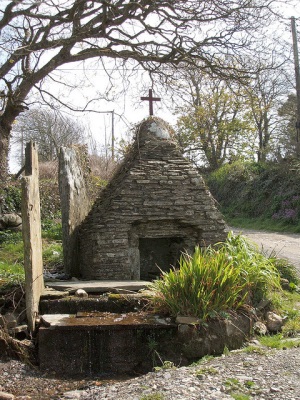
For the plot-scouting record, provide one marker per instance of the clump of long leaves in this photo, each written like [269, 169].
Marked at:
[258, 271]
[215, 280]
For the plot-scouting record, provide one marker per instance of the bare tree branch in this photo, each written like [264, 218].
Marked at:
[37, 37]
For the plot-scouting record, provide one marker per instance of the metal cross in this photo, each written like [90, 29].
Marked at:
[151, 99]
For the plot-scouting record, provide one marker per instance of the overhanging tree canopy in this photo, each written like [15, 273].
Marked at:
[37, 37]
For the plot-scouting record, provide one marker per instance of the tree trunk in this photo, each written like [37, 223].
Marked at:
[4, 146]
[6, 121]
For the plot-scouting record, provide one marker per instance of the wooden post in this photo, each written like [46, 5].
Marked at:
[32, 236]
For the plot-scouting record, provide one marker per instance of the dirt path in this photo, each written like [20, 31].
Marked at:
[284, 245]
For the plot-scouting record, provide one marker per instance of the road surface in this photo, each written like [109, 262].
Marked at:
[284, 245]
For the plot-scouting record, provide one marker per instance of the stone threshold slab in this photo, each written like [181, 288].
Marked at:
[97, 286]
[105, 320]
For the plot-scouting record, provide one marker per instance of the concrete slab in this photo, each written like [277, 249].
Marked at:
[98, 286]
[94, 343]
[102, 320]
[50, 293]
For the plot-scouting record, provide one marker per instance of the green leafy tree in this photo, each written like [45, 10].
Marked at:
[214, 128]
[289, 137]
[262, 96]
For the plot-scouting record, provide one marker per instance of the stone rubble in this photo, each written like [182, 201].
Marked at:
[274, 322]
[10, 221]
[274, 375]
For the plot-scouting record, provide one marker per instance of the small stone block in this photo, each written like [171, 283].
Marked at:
[187, 320]
[6, 396]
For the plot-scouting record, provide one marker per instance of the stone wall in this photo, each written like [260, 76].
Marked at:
[75, 202]
[156, 194]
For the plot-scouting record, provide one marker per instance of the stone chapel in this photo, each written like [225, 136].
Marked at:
[155, 207]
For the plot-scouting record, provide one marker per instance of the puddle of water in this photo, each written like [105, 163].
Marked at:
[110, 319]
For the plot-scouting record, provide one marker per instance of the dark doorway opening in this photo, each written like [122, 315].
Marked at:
[158, 253]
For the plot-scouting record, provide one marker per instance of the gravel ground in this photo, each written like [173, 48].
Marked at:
[274, 374]
[26, 382]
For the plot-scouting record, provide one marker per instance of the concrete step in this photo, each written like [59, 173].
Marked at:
[95, 343]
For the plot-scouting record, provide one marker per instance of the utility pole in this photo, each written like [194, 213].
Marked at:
[113, 135]
[297, 75]
[112, 131]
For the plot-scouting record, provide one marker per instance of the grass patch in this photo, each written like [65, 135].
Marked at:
[51, 230]
[232, 384]
[287, 271]
[292, 326]
[279, 342]
[203, 285]
[165, 365]
[239, 390]
[12, 254]
[206, 371]
[287, 304]
[11, 260]
[240, 396]
[10, 237]
[10, 276]
[52, 254]
[261, 224]
[203, 360]
[255, 349]
[153, 396]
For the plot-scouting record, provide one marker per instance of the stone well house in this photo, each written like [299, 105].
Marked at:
[155, 206]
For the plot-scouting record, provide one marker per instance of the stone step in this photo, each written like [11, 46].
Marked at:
[97, 286]
[107, 296]
[115, 303]
[92, 343]
[95, 343]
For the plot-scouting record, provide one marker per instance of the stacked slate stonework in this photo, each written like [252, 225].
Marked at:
[155, 207]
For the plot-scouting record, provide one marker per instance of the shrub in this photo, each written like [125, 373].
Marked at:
[9, 236]
[51, 229]
[10, 198]
[286, 270]
[50, 200]
[215, 280]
